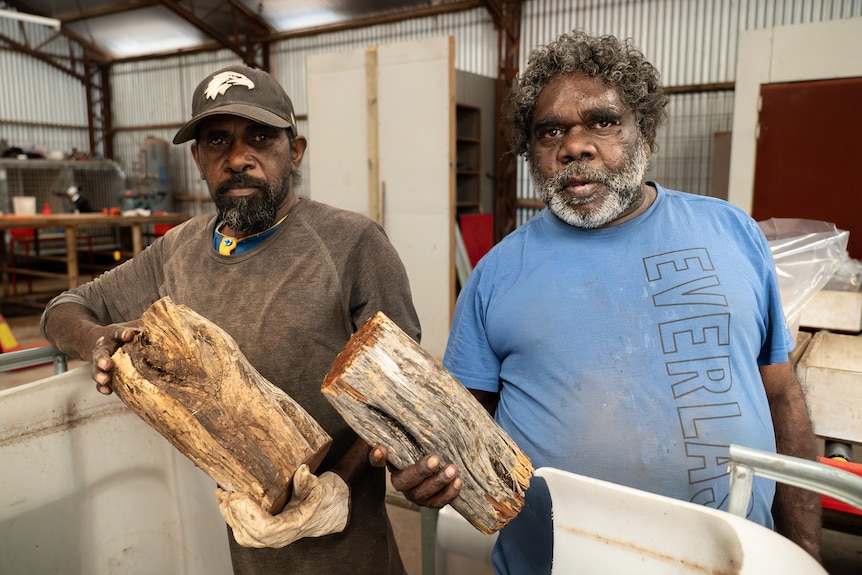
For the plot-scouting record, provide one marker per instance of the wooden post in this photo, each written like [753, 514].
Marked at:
[189, 380]
[375, 210]
[393, 393]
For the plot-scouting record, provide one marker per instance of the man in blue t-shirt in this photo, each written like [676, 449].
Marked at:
[628, 332]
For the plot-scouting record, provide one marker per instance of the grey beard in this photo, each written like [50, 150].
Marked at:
[251, 214]
[247, 215]
[624, 187]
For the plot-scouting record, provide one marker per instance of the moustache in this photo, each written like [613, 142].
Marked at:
[241, 181]
[577, 171]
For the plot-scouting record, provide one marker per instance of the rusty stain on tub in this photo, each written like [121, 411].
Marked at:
[691, 566]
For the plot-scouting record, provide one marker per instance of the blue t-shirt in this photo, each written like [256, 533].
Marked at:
[628, 353]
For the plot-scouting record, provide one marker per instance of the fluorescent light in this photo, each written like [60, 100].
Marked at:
[52, 22]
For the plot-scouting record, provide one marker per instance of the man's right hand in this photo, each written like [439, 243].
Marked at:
[109, 340]
[74, 330]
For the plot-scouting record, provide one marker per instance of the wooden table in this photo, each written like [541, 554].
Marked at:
[70, 224]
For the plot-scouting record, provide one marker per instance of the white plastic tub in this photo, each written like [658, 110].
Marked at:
[86, 487]
[600, 527]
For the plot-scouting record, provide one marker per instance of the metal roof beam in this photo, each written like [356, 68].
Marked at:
[107, 10]
[253, 17]
[91, 49]
[62, 64]
[389, 18]
[186, 10]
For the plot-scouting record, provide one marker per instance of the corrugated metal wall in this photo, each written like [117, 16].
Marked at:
[692, 42]
[32, 92]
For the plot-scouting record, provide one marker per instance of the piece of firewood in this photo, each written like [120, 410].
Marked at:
[188, 379]
[394, 393]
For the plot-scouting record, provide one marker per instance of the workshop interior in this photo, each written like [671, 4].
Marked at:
[401, 102]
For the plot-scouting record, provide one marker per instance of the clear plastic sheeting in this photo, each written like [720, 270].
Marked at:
[807, 255]
[848, 277]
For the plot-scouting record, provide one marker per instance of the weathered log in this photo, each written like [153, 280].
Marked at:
[188, 379]
[393, 393]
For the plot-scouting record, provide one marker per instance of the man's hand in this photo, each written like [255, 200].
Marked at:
[427, 482]
[110, 339]
[319, 506]
[75, 330]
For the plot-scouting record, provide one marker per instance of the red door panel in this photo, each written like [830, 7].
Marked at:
[809, 155]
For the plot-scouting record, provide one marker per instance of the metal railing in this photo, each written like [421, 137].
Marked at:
[24, 358]
[746, 462]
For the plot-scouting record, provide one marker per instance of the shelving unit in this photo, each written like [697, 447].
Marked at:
[468, 156]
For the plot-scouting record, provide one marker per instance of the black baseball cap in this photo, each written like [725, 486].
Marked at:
[239, 91]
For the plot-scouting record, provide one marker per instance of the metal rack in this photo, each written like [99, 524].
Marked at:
[101, 182]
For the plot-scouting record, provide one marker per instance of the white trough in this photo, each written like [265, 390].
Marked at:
[89, 488]
[600, 527]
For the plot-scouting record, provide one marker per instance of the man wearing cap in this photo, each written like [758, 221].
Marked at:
[290, 279]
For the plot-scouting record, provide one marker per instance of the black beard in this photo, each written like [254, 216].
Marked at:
[250, 214]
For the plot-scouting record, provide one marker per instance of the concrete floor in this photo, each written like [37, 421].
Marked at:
[842, 552]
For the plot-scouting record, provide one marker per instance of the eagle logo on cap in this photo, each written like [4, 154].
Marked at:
[221, 82]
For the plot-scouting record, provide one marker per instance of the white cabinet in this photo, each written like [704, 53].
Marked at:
[381, 142]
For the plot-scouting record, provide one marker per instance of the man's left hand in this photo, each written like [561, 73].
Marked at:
[319, 506]
[427, 482]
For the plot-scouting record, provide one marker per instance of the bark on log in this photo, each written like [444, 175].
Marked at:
[188, 379]
[393, 393]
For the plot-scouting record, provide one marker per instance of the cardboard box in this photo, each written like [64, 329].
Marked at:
[834, 310]
[830, 372]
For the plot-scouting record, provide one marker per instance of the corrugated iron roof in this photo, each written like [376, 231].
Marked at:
[124, 29]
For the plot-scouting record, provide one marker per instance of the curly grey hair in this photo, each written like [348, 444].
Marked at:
[618, 64]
